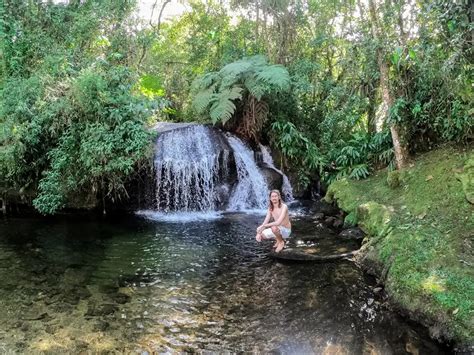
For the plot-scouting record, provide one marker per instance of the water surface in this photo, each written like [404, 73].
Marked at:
[140, 285]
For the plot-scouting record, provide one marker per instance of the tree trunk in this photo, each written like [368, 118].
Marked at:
[371, 119]
[387, 100]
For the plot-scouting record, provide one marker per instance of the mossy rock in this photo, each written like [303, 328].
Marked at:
[350, 220]
[394, 179]
[374, 218]
[467, 180]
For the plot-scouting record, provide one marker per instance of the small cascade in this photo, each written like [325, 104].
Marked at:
[286, 189]
[251, 190]
[188, 167]
[199, 169]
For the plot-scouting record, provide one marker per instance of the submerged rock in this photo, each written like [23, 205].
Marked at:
[352, 233]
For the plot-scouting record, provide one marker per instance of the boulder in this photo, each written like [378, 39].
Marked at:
[467, 180]
[273, 178]
[352, 233]
[393, 179]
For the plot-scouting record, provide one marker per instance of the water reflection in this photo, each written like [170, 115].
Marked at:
[140, 285]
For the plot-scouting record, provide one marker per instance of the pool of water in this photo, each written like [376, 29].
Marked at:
[144, 285]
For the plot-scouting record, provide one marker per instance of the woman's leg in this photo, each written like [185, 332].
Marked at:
[280, 243]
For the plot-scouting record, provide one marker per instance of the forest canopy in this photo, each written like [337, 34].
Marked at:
[340, 88]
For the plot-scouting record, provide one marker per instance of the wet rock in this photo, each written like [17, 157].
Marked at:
[329, 221]
[377, 289]
[273, 178]
[108, 289]
[81, 345]
[411, 348]
[318, 216]
[121, 298]
[338, 223]
[101, 326]
[73, 277]
[72, 299]
[35, 313]
[327, 209]
[62, 307]
[352, 233]
[50, 329]
[106, 309]
[83, 293]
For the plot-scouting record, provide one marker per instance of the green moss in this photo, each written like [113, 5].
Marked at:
[394, 179]
[350, 220]
[422, 232]
[467, 180]
[374, 218]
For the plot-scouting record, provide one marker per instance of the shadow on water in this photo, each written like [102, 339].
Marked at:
[138, 285]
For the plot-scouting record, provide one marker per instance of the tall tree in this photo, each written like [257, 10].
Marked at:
[401, 153]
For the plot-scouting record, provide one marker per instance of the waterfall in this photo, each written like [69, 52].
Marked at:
[187, 169]
[251, 189]
[286, 189]
[200, 171]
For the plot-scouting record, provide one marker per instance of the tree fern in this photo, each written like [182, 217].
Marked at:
[255, 87]
[247, 79]
[275, 75]
[202, 100]
[223, 107]
[236, 69]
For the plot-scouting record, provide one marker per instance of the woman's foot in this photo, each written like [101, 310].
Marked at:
[280, 246]
[258, 237]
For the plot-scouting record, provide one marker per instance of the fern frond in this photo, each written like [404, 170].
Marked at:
[257, 60]
[202, 100]
[235, 69]
[223, 107]
[204, 82]
[255, 87]
[228, 81]
[275, 75]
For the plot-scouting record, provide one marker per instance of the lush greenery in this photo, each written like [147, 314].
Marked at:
[73, 119]
[340, 88]
[340, 56]
[423, 240]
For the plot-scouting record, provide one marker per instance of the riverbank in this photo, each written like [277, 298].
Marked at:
[420, 224]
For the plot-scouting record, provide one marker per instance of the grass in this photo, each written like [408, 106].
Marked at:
[427, 241]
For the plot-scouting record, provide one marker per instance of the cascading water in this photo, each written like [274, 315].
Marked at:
[187, 169]
[286, 189]
[251, 190]
[199, 169]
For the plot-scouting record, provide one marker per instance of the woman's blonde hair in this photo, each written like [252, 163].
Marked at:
[270, 200]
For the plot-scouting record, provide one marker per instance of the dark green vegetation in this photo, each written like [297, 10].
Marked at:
[340, 88]
[421, 237]
[72, 119]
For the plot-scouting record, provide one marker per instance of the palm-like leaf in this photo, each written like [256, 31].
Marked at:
[274, 75]
[202, 100]
[250, 78]
[255, 87]
[235, 69]
[223, 107]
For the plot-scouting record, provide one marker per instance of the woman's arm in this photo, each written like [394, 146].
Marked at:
[280, 219]
[267, 219]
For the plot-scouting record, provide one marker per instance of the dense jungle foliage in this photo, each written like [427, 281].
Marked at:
[339, 87]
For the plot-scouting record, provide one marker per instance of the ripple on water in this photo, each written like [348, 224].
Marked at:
[159, 286]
